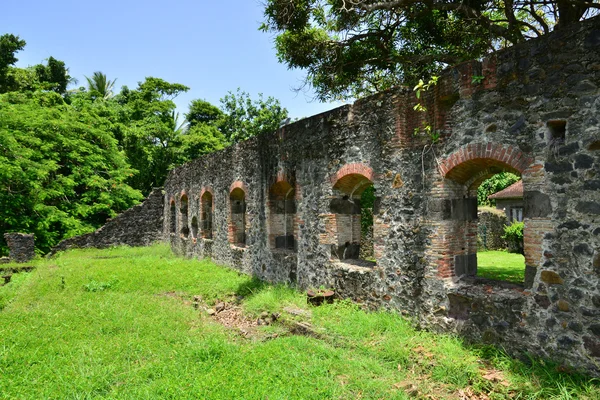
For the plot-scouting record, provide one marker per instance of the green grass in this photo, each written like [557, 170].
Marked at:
[104, 324]
[501, 265]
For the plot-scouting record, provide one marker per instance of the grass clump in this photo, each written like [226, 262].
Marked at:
[131, 332]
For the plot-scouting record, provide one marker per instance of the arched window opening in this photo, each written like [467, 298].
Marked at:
[207, 215]
[185, 230]
[194, 227]
[483, 195]
[173, 221]
[500, 227]
[237, 224]
[282, 213]
[352, 206]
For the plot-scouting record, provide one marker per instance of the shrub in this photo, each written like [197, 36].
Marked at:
[513, 234]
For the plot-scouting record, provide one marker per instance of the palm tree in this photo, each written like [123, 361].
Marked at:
[99, 83]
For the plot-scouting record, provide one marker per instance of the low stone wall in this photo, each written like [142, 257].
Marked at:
[141, 225]
[21, 246]
[490, 229]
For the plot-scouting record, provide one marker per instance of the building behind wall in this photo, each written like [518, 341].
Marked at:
[510, 200]
[535, 114]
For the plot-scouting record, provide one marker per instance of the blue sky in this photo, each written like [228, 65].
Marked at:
[211, 46]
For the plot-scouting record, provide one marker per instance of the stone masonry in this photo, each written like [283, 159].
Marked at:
[21, 246]
[285, 206]
[141, 225]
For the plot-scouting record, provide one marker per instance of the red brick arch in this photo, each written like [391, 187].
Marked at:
[350, 176]
[468, 161]
[238, 185]
[206, 189]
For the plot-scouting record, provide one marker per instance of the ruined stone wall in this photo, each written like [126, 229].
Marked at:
[536, 113]
[141, 225]
[21, 246]
[490, 229]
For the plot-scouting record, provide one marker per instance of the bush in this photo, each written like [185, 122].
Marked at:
[513, 234]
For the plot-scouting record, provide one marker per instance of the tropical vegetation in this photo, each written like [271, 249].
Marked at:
[70, 159]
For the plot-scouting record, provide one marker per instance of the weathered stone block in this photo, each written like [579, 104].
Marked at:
[551, 278]
[21, 246]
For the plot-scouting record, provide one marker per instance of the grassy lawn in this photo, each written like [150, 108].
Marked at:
[120, 324]
[501, 265]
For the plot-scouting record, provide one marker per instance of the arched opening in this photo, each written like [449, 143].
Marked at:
[173, 221]
[194, 227]
[282, 213]
[185, 230]
[470, 238]
[237, 218]
[500, 228]
[206, 204]
[354, 221]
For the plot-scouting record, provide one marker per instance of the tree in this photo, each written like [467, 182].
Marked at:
[244, 118]
[350, 48]
[101, 85]
[148, 131]
[203, 135]
[9, 46]
[202, 112]
[493, 185]
[53, 76]
[61, 171]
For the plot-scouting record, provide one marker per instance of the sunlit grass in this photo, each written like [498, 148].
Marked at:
[112, 324]
[501, 265]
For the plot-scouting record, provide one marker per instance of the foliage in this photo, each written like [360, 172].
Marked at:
[9, 46]
[203, 112]
[426, 128]
[493, 185]
[100, 85]
[203, 135]
[145, 340]
[501, 266]
[69, 160]
[513, 234]
[350, 48]
[53, 75]
[148, 130]
[243, 118]
[61, 171]
[367, 201]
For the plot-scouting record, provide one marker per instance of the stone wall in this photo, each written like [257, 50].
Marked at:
[490, 228]
[536, 114]
[141, 225]
[21, 246]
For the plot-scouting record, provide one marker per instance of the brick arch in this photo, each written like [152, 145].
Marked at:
[238, 185]
[207, 189]
[352, 178]
[281, 189]
[475, 162]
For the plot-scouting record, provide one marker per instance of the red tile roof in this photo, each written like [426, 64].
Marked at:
[513, 191]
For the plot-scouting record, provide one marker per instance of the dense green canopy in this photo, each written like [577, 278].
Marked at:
[350, 48]
[71, 159]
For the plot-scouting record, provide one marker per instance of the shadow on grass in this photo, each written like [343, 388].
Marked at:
[501, 266]
[516, 275]
[552, 377]
[251, 287]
